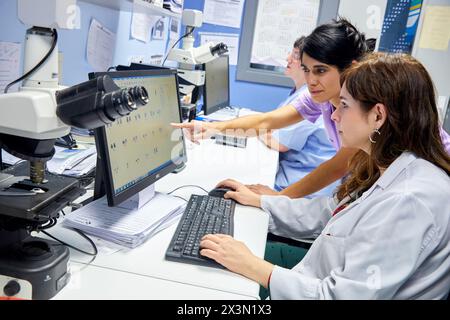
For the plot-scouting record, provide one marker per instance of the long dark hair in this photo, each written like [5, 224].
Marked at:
[404, 87]
[337, 43]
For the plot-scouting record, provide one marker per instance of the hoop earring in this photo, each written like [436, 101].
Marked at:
[370, 136]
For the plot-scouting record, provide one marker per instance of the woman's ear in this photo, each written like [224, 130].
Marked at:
[380, 114]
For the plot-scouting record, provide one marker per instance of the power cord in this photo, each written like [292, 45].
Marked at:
[44, 59]
[70, 246]
[184, 36]
[188, 185]
[181, 198]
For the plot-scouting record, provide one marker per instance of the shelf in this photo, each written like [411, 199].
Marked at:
[127, 5]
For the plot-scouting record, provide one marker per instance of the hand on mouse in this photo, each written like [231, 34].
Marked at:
[241, 193]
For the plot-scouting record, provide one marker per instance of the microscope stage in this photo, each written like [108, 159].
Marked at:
[50, 198]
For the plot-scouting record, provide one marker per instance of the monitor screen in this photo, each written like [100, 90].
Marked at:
[217, 85]
[137, 150]
[447, 118]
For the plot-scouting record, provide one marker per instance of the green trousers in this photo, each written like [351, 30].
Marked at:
[283, 255]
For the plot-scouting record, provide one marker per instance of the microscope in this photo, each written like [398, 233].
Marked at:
[191, 77]
[30, 122]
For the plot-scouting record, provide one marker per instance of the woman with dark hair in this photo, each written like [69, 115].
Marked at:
[302, 146]
[326, 53]
[386, 233]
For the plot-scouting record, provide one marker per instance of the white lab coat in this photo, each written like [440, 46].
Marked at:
[391, 243]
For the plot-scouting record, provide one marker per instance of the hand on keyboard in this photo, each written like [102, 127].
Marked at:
[235, 256]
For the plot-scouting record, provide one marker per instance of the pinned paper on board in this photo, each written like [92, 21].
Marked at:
[436, 28]
[100, 46]
[223, 12]
[9, 64]
[159, 29]
[142, 23]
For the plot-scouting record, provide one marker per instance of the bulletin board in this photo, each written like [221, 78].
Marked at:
[269, 30]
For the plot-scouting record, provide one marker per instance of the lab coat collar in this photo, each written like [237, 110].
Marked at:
[391, 173]
[403, 161]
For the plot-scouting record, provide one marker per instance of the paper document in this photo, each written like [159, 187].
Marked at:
[124, 226]
[100, 46]
[230, 39]
[74, 162]
[223, 12]
[436, 28]
[159, 31]
[224, 114]
[289, 19]
[9, 65]
[9, 158]
[141, 23]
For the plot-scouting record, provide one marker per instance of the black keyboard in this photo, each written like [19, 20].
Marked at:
[203, 215]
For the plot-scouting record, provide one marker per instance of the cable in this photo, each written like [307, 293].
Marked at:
[70, 246]
[181, 198]
[29, 73]
[188, 185]
[184, 36]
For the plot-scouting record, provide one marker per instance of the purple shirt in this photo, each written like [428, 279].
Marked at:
[445, 140]
[311, 111]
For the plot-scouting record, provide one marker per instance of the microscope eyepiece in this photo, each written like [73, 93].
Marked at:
[118, 103]
[219, 49]
[98, 102]
[139, 94]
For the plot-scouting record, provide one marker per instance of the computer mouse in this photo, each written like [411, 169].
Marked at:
[219, 192]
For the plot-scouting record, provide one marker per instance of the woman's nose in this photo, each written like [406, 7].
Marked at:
[335, 115]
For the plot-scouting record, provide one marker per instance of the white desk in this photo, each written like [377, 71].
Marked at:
[143, 273]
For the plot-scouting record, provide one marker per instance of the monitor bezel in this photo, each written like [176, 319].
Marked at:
[206, 109]
[103, 157]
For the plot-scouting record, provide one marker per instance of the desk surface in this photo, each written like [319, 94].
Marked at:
[143, 273]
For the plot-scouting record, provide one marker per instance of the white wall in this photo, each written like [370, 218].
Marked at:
[366, 15]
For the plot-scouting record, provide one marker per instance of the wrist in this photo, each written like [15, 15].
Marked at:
[220, 126]
[257, 202]
[260, 271]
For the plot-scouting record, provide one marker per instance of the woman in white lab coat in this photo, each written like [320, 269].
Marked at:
[386, 232]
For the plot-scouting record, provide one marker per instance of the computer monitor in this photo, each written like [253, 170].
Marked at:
[137, 150]
[447, 118]
[216, 92]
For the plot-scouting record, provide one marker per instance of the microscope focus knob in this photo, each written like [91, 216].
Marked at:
[12, 288]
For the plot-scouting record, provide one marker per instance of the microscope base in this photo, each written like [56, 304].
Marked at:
[33, 269]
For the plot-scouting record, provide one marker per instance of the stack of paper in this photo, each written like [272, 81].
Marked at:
[222, 115]
[125, 226]
[73, 162]
[9, 158]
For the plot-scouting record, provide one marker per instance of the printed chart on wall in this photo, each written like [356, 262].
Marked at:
[289, 19]
[9, 64]
[147, 141]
